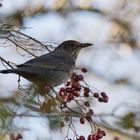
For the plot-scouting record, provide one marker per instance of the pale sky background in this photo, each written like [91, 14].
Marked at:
[110, 62]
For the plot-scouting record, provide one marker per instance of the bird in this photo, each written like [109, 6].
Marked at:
[53, 68]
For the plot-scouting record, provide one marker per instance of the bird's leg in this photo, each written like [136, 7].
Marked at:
[19, 86]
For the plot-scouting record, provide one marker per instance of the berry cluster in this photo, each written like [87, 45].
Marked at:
[72, 88]
[102, 97]
[97, 136]
[78, 91]
[75, 88]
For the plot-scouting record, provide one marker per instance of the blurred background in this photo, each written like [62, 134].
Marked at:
[113, 62]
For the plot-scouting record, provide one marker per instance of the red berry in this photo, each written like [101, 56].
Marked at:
[100, 99]
[103, 132]
[86, 89]
[74, 78]
[87, 103]
[80, 77]
[68, 89]
[105, 99]
[81, 138]
[69, 97]
[91, 137]
[96, 95]
[82, 120]
[103, 94]
[84, 70]
[91, 111]
[60, 93]
[76, 94]
[99, 136]
[62, 89]
[77, 87]
[86, 94]
[68, 84]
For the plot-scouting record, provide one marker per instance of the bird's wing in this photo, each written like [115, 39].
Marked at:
[54, 60]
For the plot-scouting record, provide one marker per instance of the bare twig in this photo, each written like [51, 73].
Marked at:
[6, 62]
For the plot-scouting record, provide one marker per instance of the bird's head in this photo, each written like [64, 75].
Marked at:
[72, 47]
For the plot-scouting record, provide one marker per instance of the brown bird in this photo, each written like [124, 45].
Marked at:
[53, 68]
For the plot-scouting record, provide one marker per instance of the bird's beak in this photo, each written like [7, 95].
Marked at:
[83, 45]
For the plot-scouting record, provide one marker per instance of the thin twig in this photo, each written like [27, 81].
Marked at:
[6, 62]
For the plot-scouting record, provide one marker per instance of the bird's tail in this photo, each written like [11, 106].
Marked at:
[7, 71]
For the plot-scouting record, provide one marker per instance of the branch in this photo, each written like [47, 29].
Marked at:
[6, 62]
